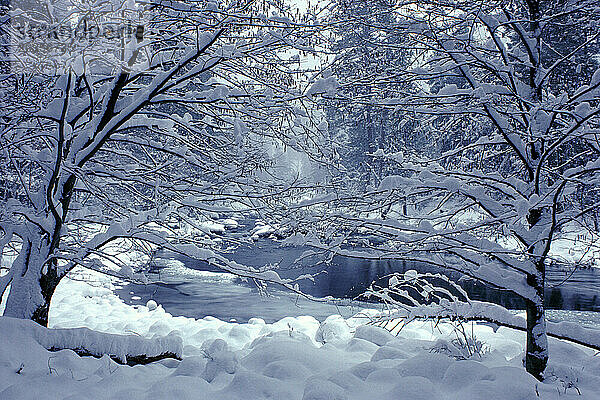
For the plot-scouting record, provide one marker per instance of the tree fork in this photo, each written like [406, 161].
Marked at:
[48, 283]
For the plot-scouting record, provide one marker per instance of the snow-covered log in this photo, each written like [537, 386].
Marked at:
[125, 349]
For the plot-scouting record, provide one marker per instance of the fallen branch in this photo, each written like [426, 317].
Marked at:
[124, 349]
[131, 360]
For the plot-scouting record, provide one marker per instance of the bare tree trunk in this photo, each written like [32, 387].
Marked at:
[48, 283]
[536, 354]
[536, 357]
[32, 284]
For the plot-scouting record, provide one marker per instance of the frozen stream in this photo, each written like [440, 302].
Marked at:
[190, 288]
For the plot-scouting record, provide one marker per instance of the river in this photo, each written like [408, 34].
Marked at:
[195, 289]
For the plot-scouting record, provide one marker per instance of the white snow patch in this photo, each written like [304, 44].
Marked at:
[294, 358]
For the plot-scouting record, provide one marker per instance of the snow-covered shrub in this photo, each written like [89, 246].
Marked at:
[413, 288]
[410, 291]
[461, 348]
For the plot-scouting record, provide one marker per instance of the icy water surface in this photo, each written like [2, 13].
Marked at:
[194, 289]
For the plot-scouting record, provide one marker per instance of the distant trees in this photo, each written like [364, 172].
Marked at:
[521, 101]
[368, 56]
[120, 118]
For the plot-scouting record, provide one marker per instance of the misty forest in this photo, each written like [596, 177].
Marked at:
[300, 199]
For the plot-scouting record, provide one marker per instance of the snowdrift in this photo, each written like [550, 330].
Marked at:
[295, 358]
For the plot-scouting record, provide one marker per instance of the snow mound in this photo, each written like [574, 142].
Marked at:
[292, 359]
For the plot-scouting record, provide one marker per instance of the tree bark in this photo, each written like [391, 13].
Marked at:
[31, 287]
[536, 354]
[48, 283]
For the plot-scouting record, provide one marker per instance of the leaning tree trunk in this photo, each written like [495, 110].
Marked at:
[34, 272]
[33, 282]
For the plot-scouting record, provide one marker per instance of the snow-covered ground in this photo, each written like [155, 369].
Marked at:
[294, 358]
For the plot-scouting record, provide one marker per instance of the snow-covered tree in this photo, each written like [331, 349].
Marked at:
[491, 205]
[122, 119]
[367, 55]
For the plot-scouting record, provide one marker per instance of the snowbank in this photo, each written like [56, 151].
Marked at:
[295, 358]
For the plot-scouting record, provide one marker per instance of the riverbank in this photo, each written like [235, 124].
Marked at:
[294, 358]
[189, 288]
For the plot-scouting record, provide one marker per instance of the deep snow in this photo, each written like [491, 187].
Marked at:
[295, 358]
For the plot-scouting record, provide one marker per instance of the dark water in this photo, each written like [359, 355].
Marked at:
[226, 297]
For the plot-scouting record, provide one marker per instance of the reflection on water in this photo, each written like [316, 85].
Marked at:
[225, 297]
[348, 277]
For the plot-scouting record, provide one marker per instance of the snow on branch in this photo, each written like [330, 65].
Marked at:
[412, 296]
